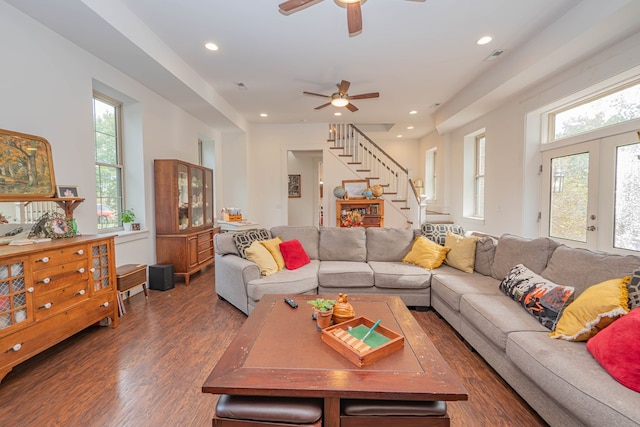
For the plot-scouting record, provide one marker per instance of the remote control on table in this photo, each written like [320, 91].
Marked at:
[291, 302]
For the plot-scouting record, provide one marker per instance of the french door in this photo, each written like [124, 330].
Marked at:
[591, 193]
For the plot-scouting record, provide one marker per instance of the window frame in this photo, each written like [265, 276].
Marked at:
[119, 166]
[479, 173]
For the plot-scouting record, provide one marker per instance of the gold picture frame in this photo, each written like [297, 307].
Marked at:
[27, 167]
[355, 187]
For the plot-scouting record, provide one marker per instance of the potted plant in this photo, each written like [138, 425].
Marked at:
[127, 217]
[323, 310]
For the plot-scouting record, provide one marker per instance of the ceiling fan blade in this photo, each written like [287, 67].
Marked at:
[316, 94]
[366, 95]
[291, 5]
[343, 87]
[352, 107]
[354, 18]
[322, 106]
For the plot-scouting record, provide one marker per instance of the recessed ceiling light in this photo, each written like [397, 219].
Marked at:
[413, 112]
[398, 136]
[264, 115]
[409, 127]
[211, 46]
[484, 40]
[337, 114]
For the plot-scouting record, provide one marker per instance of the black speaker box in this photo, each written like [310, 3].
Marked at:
[161, 277]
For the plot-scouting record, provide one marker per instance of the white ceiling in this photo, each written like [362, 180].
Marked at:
[416, 54]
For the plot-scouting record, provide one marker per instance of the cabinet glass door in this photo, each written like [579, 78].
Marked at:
[183, 196]
[208, 196]
[13, 294]
[197, 197]
[100, 267]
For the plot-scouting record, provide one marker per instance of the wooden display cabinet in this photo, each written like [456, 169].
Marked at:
[184, 216]
[371, 212]
[52, 290]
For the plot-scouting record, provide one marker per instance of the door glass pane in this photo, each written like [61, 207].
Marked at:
[627, 198]
[569, 197]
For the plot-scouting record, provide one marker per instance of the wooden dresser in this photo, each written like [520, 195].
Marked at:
[52, 290]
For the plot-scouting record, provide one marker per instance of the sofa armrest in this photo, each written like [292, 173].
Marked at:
[232, 273]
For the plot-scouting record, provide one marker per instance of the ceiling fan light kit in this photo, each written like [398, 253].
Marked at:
[341, 98]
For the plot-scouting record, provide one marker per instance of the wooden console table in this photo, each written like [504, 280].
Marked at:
[371, 210]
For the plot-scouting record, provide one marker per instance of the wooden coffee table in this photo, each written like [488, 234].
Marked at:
[279, 352]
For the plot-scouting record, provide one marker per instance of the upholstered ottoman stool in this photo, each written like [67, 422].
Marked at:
[393, 413]
[261, 411]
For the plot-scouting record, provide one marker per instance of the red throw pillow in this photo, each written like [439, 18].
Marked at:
[294, 254]
[616, 349]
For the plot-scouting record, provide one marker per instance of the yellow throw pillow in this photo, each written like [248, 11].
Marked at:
[596, 308]
[273, 246]
[261, 256]
[463, 251]
[426, 253]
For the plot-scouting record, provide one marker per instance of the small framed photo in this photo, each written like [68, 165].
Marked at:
[374, 209]
[294, 186]
[67, 191]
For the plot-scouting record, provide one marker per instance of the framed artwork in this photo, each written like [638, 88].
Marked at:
[67, 191]
[294, 186]
[355, 187]
[27, 167]
[373, 209]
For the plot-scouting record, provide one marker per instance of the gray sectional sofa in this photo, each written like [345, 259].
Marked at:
[558, 379]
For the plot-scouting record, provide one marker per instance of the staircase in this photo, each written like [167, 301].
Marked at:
[369, 161]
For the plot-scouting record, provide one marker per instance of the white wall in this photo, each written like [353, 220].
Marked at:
[46, 86]
[304, 210]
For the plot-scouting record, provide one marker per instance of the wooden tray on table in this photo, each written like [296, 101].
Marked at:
[383, 341]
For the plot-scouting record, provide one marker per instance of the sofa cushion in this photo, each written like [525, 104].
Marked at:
[244, 239]
[634, 290]
[593, 310]
[543, 299]
[273, 246]
[426, 253]
[513, 250]
[582, 268]
[224, 244]
[485, 252]
[261, 256]
[450, 284]
[343, 244]
[398, 275]
[463, 252]
[301, 280]
[496, 316]
[345, 274]
[388, 244]
[438, 232]
[616, 349]
[294, 254]
[307, 235]
[568, 374]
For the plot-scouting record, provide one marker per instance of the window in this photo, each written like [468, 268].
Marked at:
[430, 175]
[609, 108]
[478, 196]
[109, 171]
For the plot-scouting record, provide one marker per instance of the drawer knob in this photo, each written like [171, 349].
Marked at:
[16, 347]
[79, 252]
[30, 290]
[81, 270]
[43, 259]
[47, 306]
[92, 270]
[81, 292]
[105, 304]
[45, 280]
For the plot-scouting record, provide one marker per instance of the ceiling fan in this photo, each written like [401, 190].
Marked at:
[341, 98]
[354, 12]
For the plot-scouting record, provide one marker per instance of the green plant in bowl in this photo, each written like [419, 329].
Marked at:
[322, 304]
[127, 216]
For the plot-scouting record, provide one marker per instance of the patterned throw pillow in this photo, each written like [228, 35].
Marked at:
[543, 299]
[438, 232]
[245, 239]
[634, 290]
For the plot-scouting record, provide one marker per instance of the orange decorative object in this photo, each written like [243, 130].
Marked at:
[343, 310]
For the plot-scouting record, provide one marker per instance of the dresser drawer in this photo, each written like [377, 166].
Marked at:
[49, 303]
[59, 256]
[17, 347]
[52, 277]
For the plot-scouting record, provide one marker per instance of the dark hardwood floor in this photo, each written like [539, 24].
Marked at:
[149, 371]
